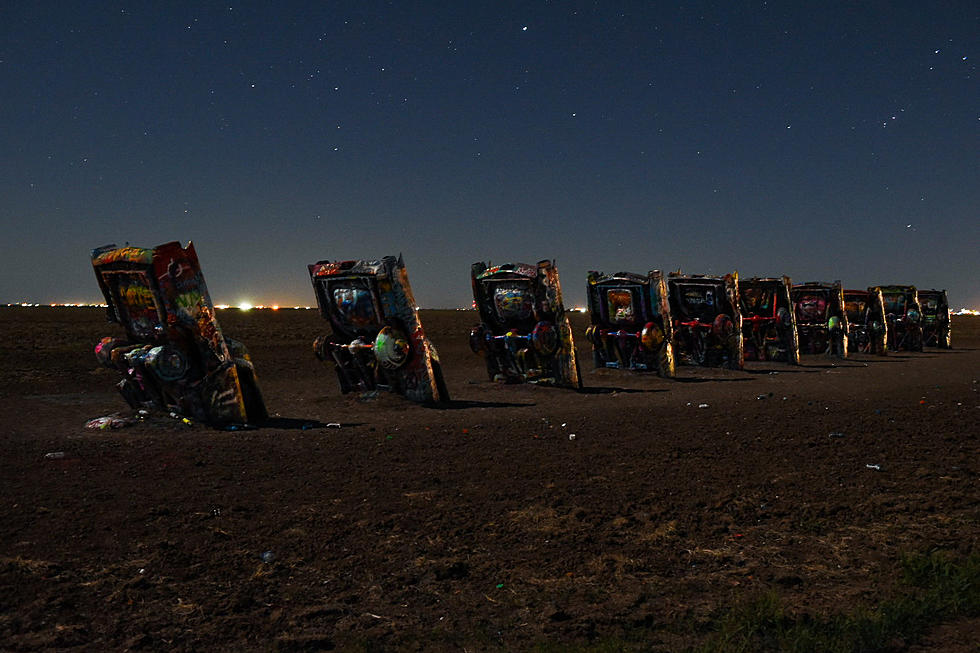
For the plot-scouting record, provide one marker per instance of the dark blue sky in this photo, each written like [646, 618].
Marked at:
[772, 138]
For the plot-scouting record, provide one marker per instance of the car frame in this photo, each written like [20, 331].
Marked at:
[903, 314]
[936, 323]
[867, 328]
[175, 356]
[524, 334]
[768, 319]
[821, 321]
[376, 341]
[630, 322]
[706, 320]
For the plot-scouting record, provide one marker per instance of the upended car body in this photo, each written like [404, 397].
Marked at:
[768, 320]
[631, 326]
[706, 320]
[524, 333]
[821, 321]
[936, 329]
[174, 356]
[904, 317]
[867, 328]
[376, 339]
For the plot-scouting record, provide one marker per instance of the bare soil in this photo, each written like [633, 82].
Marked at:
[481, 526]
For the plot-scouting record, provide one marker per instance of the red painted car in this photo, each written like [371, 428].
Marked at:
[821, 321]
[768, 320]
[174, 356]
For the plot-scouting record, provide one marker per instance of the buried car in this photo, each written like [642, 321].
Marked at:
[903, 315]
[706, 320]
[524, 333]
[936, 331]
[768, 320]
[867, 329]
[174, 356]
[631, 326]
[376, 339]
[821, 321]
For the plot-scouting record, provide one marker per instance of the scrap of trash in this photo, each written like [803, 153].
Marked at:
[108, 422]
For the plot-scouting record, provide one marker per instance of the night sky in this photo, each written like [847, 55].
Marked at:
[821, 140]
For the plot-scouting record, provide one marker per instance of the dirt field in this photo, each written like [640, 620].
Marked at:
[480, 526]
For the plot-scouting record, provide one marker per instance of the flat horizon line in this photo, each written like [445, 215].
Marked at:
[275, 307]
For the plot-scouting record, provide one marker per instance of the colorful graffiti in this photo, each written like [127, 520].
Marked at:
[903, 314]
[175, 357]
[377, 340]
[629, 329]
[821, 319]
[524, 335]
[769, 329]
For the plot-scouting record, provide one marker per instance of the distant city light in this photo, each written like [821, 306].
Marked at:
[245, 306]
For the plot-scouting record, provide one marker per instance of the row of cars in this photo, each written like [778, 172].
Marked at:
[656, 321]
[175, 357]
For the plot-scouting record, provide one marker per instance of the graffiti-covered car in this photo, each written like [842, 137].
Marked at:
[174, 356]
[936, 331]
[706, 320]
[524, 333]
[821, 320]
[376, 340]
[904, 317]
[867, 329]
[630, 322]
[768, 320]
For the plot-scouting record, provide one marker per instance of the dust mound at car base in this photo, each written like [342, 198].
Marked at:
[478, 526]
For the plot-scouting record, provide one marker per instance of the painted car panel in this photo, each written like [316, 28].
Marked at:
[524, 334]
[867, 326]
[903, 315]
[174, 356]
[706, 319]
[376, 339]
[821, 320]
[768, 319]
[630, 322]
[936, 328]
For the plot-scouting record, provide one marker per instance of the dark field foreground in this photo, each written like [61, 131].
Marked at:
[482, 526]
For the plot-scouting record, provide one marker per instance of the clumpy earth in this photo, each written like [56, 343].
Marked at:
[480, 526]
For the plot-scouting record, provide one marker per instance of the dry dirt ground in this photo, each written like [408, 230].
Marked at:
[481, 526]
